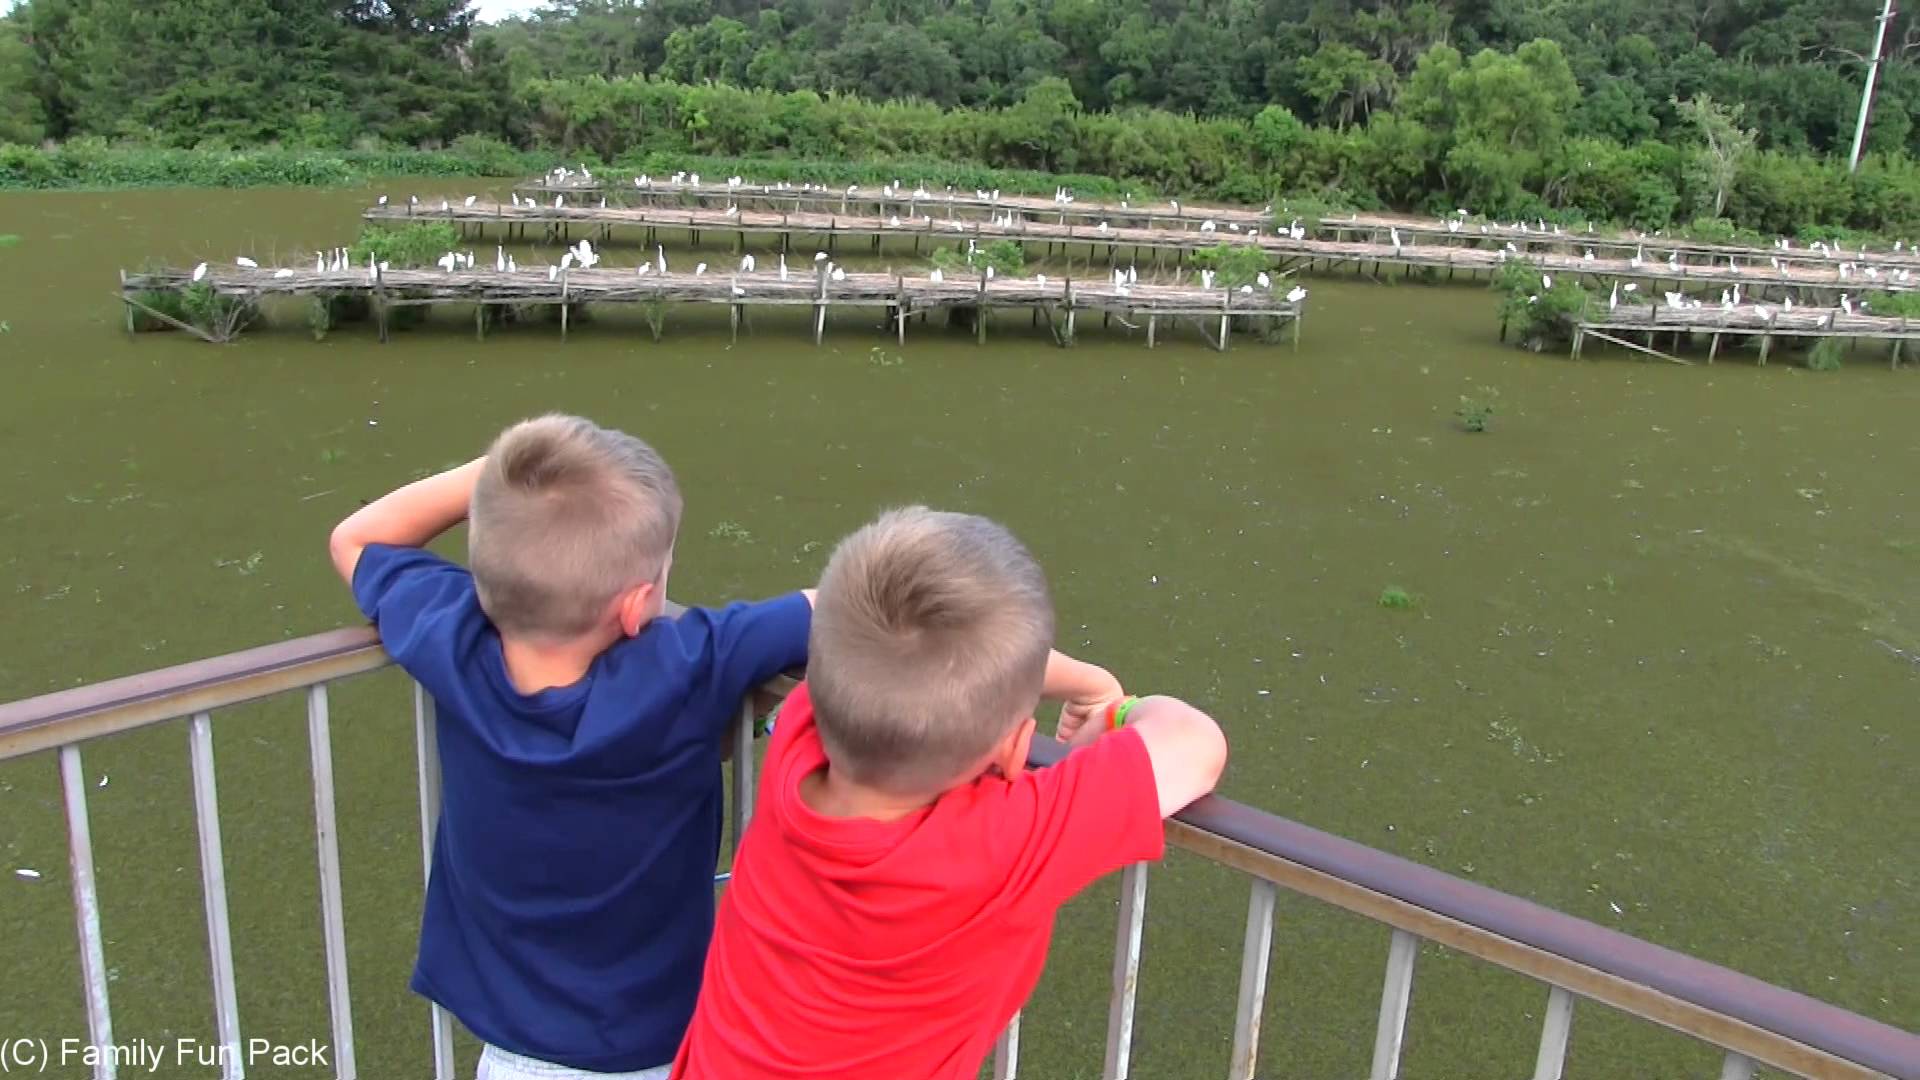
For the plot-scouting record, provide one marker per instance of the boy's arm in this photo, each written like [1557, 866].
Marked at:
[1085, 691]
[408, 517]
[1186, 747]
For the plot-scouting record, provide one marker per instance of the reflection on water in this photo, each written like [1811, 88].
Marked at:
[1656, 669]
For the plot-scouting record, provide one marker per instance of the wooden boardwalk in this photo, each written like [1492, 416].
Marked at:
[1531, 238]
[1763, 321]
[1451, 255]
[1056, 301]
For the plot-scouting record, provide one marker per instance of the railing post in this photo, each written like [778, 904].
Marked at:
[1006, 1051]
[1393, 1006]
[86, 909]
[1253, 979]
[333, 924]
[1126, 971]
[213, 887]
[429, 757]
[1736, 1067]
[1554, 1032]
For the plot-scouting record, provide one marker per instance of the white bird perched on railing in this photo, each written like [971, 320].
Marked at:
[1763, 311]
[1846, 305]
[1261, 279]
[200, 271]
[1119, 278]
[471, 199]
[838, 274]
[246, 262]
[1175, 203]
[553, 273]
[641, 270]
[1786, 304]
[679, 177]
[559, 201]
[512, 267]
[1546, 282]
[699, 269]
[319, 263]
[1206, 279]
[1297, 231]
[936, 276]
[282, 273]
[445, 206]
[733, 211]
[1588, 257]
[738, 291]
[996, 195]
[1132, 275]
[746, 264]
[567, 260]
[1103, 226]
[693, 179]
[819, 256]
[1453, 225]
[1040, 280]
[584, 253]
[515, 196]
[853, 189]
[1208, 225]
[1246, 290]
[893, 222]
[783, 267]
[989, 273]
[381, 201]
[1296, 294]
[733, 181]
[499, 258]
[1394, 235]
[642, 181]
[603, 202]
[920, 192]
[660, 257]
[413, 200]
[1629, 287]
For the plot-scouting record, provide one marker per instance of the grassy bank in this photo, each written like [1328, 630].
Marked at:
[96, 164]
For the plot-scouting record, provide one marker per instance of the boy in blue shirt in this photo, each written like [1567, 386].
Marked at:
[571, 896]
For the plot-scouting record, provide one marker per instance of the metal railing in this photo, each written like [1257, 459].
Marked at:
[1753, 1022]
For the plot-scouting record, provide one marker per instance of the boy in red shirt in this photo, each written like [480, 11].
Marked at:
[893, 899]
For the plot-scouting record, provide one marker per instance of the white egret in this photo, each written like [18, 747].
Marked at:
[641, 270]
[512, 267]
[1132, 275]
[499, 258]
[783, 267]
[445, 206]
[553, 273]
[381, 201]
[746, 263]
[246, 262]
[936, 277]
[319, 263]
[1546, 282]
[1040, 280]
[989, 273]
[819, 256]
[1846, 305]
[200, 271]
[566, 261]
[699, 269]
[282, 273]
[660, 257]
[1296, 294]
[559, 201]
[1613, 298]
[1263, 280]
[838, 274]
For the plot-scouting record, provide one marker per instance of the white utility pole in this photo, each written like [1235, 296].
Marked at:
[1866, 96]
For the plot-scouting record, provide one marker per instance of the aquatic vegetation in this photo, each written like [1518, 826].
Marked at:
[1826, 356]
[1003, 257]
[1395, 598]
[1476, 410]
[8, 240]
[731, 530]
[1233, 265]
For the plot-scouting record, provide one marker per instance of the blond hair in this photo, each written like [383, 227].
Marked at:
[566, 516]
[930, 639]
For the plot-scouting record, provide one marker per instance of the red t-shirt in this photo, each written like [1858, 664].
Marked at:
[897, 950]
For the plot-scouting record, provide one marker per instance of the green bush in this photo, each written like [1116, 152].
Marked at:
[1826, 355]
[1535, 313]
[1006, 257]
[1233, 265]
[413, 244]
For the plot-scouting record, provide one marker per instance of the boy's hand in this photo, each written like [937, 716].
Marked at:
[1086, 693]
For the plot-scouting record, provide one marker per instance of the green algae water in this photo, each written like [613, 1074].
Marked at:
[1649, 651]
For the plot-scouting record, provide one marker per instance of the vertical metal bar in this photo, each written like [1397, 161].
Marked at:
[86, 910]
[1253, 980]
[213, 887]
[1736, 1067]
[333, 922]
[1393, 1006]
[1126, 971]
[1006, 1051]
[1554, 1032]
[742, 773]
[429, 757]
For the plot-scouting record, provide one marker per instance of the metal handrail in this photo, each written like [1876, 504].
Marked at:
[1753, 1020]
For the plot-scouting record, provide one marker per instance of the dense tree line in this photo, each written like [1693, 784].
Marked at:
[1794, 64]
[1696, 113]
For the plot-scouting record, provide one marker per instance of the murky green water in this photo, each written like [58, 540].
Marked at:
[1660, 672]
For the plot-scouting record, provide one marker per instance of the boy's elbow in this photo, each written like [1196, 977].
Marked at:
[1212, 753]
[344, 549]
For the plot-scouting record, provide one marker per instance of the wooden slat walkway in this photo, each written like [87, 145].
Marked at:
[1764, 321]
[1454, 255]
[1165, 213]
[1058, 300]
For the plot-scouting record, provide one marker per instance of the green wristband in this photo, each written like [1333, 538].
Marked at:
[1120, 712]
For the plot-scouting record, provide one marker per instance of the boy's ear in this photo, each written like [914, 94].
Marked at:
[636, 607]
[1010, 754]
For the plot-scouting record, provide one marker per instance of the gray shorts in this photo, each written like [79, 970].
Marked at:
[498, 1064]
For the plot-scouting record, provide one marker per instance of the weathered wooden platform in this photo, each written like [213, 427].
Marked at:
[1529, 237]
[1058, 301]
[1452, 255]
[1763, 321]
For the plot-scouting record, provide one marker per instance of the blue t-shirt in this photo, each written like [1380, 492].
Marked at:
[571, 899]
